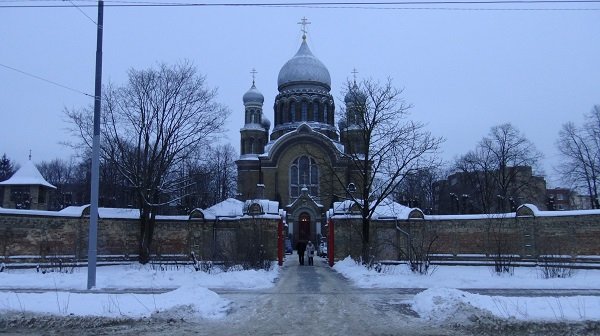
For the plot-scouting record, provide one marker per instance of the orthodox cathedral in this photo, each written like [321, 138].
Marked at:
[302, 162]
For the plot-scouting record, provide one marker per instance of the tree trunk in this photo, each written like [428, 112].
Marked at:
[365, 239]
[147, 220]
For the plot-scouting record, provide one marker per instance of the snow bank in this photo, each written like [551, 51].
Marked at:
[198, 301]
[441, 304]
[190, 297]
[138, 276]
[443, 300]
[400, 276]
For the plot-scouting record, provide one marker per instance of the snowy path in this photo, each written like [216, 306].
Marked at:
[315, 300]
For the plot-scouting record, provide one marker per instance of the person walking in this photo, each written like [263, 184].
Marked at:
[301, 247]
[310, 251]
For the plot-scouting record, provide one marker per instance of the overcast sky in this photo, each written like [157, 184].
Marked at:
[463, 70]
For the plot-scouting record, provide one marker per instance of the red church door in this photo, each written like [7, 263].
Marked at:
[304, 227]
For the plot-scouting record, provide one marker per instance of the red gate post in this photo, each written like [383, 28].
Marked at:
[280, 242]
[330, 240]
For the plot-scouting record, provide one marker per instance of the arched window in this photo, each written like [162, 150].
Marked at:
[259, 146]
[298, 116]
[316, 111]
[256, 117]
[285, 116]
[278, 114]
[250, 144]
[325, 112]
[304, 116]
[304, 171]
[292, 111]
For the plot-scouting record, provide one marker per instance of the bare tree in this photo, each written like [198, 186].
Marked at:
[477, 171]
[382, 147]
[511, 150]
[59, 173]
[417, 190]
[211, 176]
[224, 171]
[149, 127]
[501, 169]
[580, 149]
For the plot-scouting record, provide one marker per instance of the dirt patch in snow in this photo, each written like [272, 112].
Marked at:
[490, 325]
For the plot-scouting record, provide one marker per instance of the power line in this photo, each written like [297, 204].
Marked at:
[324, 3]
[337, 5]
[45, 80]
[82, 12]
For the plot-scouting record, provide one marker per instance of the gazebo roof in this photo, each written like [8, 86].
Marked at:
[28, 174]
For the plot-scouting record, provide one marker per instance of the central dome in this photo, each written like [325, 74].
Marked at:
[304, 67]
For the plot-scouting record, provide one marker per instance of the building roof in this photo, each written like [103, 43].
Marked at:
[28, 174]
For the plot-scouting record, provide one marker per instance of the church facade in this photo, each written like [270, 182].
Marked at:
[302, 162]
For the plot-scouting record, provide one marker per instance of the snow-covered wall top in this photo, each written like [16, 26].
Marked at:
[24, 212]
[80, 211]
[266, 207]
[466, 217]
[228, 208]
[387, 209]
[232, 208]
[532, 210]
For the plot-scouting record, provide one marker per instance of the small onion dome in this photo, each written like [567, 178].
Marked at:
[265, 123]
[253, 96]
[342, 124]
[354, 95]
[304, 67]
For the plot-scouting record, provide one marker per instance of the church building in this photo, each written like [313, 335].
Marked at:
[302, 162]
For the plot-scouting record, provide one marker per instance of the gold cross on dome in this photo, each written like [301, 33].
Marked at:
[253, 72]
[304, 22]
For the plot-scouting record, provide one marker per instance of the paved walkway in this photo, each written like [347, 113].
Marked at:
[315, 300]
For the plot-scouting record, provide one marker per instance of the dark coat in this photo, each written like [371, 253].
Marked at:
[301, 247]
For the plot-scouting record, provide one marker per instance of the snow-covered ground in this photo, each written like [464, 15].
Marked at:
[191, 294]
[443, 298]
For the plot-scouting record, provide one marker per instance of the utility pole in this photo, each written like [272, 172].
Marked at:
[93, 229]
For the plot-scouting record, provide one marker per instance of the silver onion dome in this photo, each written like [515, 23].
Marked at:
[253, 96]
[265, 123]
[304, 67]
[355, 95]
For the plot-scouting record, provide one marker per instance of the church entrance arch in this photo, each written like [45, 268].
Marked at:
[304, 226]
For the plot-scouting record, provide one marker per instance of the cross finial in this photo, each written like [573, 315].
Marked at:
[354, 72]
[304, 178]
[30, 155]
[304, 22]
[253, 72]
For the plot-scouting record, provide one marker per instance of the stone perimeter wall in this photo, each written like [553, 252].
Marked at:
[525, 237]
[32, 237]
[528, 237]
